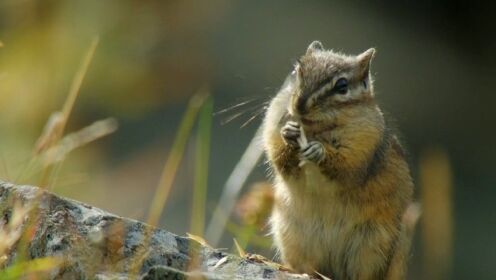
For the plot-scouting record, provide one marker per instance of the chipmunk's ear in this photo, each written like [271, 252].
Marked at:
[364, 60]
[315, 46]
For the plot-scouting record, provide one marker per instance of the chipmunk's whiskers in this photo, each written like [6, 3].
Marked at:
[252, 111]
[255, 115]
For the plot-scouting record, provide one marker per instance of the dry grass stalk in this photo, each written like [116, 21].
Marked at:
[49, 134]
[53, 150]
[54, 130]
[437, 222]
[78, 139]
[176, 153]
[168, 175]
[232, 188]
[11, 228]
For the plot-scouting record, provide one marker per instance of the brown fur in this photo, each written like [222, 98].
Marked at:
[341, 216]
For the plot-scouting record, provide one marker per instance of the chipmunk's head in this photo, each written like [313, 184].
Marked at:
[326, 81]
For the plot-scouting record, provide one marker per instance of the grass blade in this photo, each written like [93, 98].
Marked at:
[26, 268]
[241, 251]
[201, 168]
[436, 192]
[232, 188]
[175, 156]
[77, 82]
[57, 131]
[168, 174]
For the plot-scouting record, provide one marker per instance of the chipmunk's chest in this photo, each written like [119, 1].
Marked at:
[311, 183]
[317, 217]
[317, 204]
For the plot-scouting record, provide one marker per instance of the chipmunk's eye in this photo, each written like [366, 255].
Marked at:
[341, 86]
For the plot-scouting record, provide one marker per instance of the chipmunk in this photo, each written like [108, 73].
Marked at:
[339, 200]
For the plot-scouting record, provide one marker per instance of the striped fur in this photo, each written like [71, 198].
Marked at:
[342, 216]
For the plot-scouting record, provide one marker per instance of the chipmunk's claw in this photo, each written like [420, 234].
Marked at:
[290, 132]
[314, 151]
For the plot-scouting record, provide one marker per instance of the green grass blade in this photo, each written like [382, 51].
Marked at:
[201, 168]
[20, 269]
[174, 159]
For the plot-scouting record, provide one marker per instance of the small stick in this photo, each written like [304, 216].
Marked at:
[303, 138]
[303, 142]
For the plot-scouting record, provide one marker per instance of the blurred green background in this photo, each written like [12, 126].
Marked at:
[434, 71]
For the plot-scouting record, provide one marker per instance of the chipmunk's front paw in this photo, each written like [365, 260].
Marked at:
[290, 133]
[314, 151]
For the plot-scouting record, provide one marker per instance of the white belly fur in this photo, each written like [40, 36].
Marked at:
[311, 218]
